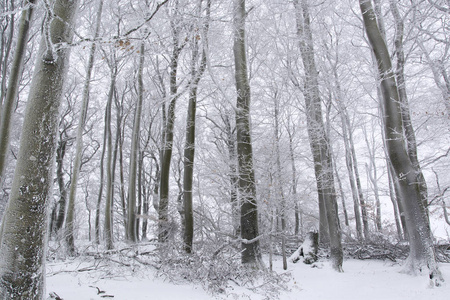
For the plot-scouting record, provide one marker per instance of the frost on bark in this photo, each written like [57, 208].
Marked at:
[251, 252]
[168, 126]
[420, 238]
[189, 148]
[23, 244]
[79, 137]
[13, 83]
[410, 136]
[307, 252]
[135, 139]
[318, 139]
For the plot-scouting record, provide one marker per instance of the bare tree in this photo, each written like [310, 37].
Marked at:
[319, 143]
[13, 81]
[169, 123]
[79, 137]
[25, 226]
[251, 252]
[189, 148]
[135, 140]
[421, 245]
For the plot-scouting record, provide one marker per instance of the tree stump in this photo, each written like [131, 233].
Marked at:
[307, 250]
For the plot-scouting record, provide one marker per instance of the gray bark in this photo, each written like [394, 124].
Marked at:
[79, 138]
[189, 148]
[6, 41]
[280, 192]
[25, 232]
[393, 197]
[297, 211]
[319, 144]
[371, 170]
[421, 245]
[135, 140]
[13, 83]
[168, 123]
[251, 252]
[60, 153]
[411, 144]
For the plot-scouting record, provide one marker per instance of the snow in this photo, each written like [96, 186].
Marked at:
[362, 279]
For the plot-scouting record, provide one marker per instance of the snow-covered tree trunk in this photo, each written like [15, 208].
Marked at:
[410, 135]
[251, 252]
[297, 212]
[308, 249]
[135, 140]
[25, 232]
[421, 244]
[107, 148]
[13, 83]
[189, 148]
[280, 192]
[317, 136]
[168, 127]
[80, 130]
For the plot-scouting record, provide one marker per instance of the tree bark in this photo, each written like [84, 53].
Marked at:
[189, 148]
[60, 153]
[282, 204]
[79, 138]
[25, 232]
[251, 252]
[411, 144]
[6, 42]
[135, 140]
[318, 140]
[13, 83]
[297, 211]
[168, 123]
[421, 245]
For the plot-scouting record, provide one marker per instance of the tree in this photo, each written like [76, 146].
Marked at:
[410, 135]
[13, 82]
[135, 139]
[189, 148]
[7, 28]
[24, 235]
[79, 137]
[169, 123]
[319, 143]
[421, 252]
[251, 252]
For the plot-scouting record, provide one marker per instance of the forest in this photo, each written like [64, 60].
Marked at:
[216, 142]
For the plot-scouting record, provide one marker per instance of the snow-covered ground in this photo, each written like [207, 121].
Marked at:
[83, 278]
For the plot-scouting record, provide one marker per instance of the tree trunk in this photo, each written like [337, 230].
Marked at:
[318, 140]
[411, 144]
[168, 123]
[282, 204]
[60, 153]
[189, 148]
[251, 252]
[393, 197]
[110, 179]
[6, 42]
[421, 245]
[135, 140]
[297, 212]
[13, 83]
[371, 170]
[79, 139]
[108, 228]
[22, 268]
[234, 179]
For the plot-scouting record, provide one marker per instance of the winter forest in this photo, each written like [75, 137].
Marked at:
[229, 145]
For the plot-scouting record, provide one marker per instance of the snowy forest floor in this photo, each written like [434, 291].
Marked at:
[135, 273]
